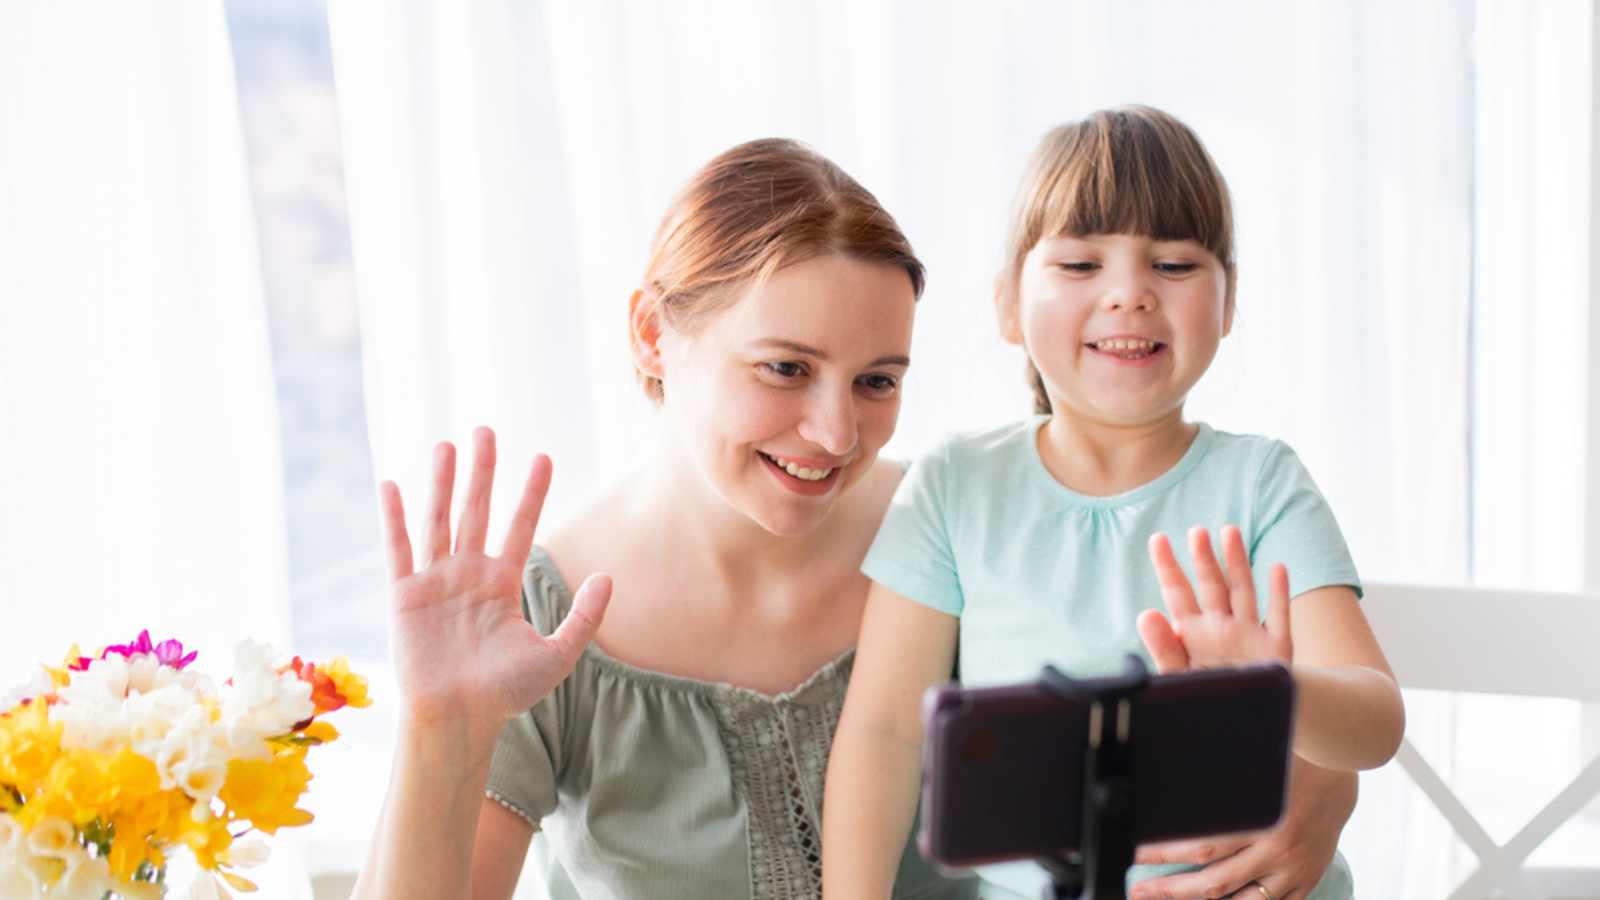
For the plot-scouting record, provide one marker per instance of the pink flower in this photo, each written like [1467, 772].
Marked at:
[142, 645]
[168, 652]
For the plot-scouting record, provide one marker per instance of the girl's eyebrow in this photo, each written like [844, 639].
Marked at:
[808, 350]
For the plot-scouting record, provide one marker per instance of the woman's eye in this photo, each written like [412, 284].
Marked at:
[879, 384]
[1175, 268]
[1078, 266]
[785, 369]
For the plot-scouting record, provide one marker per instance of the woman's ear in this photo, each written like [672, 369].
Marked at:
[644, 332]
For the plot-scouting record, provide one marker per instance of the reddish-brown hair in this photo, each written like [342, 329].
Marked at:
[1130, 170]
[751, 211]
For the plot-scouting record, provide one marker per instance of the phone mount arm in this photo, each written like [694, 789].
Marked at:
[1099, 869]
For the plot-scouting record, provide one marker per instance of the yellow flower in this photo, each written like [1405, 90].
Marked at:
[29, 745]
[265, 790]
[352, 687]
[320, 731]
[79, 788]
[207, 840]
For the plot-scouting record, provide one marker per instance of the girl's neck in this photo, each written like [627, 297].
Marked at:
[1100, 459]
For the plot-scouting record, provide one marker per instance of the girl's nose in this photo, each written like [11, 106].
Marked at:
[1128, 293]
[830, 421]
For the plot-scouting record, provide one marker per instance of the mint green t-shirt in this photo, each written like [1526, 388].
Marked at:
[1040, 574]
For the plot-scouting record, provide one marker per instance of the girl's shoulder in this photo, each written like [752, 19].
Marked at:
[976, 445]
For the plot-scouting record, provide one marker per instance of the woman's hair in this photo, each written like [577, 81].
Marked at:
[751, 211]
[1130, 170]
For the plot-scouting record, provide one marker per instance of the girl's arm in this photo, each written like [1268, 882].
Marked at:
[875, 766]
[1348, 714]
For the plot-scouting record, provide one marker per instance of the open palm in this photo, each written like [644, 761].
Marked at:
[463, 653]
[1214, 623]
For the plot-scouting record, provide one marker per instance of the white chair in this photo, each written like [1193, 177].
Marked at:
[1473, 640]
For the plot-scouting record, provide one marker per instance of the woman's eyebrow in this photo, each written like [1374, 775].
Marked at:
[808, 350]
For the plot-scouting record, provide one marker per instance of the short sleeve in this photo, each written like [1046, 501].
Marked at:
[912, 554]
[528, 755]
[1295, 526]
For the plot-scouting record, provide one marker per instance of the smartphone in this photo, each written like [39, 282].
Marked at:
[1003, 766]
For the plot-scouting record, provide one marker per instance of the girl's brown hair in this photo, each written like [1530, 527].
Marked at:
[751, 211]
[1130, 170]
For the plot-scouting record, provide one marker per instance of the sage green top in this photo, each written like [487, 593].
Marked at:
[651, 785]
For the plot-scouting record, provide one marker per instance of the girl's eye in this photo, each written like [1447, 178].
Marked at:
[785, 369]
[1175, 268]
[1078, 266]
[879, 383]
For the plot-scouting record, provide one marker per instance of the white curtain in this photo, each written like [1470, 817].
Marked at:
[140, 482]
[140, 473]
[508, 163]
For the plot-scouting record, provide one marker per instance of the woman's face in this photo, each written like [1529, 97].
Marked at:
[783, 399]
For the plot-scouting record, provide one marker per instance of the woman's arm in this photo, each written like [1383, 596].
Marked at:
[1348, 714]
[876, 762]
[466, 662]
[1290, 860]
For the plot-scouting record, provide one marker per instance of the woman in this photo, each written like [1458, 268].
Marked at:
[684, 755]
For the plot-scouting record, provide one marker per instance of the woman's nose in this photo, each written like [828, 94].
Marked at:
[830, 421]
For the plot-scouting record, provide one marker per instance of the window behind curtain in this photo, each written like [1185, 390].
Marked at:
[287, 102]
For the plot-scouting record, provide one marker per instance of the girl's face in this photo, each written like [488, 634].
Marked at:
[782, 400]
[1119, 326]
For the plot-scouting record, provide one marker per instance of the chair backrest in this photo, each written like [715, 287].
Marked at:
[1480, 640]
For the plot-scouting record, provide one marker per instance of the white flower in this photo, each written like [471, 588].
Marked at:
[91, 710]
[206, 887]
[262, 702]
[192, 756]
[247, 852]
[16, 880]
[37, 686]
[53, 838]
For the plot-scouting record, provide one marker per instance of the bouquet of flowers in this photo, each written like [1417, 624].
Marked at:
[109, 764]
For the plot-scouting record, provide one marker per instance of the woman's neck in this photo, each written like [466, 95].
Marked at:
[697, 527]
[1102, 459]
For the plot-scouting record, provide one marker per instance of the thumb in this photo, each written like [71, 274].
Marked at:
[581, 624]
[1278, 615]
[1163, 642]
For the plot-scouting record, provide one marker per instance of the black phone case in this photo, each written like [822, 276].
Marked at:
[1003, 766]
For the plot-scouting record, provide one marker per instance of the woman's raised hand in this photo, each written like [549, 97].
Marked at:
[1216, 623]
[464, 655]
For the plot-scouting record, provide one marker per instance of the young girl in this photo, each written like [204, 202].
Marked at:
[1027, 544]
[679, 754]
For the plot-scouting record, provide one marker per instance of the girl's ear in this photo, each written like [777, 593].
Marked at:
[1005, 311]
[644, 332]
[1227, 312]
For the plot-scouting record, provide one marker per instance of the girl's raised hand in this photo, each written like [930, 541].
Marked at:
[1216, 622]
[465, 658]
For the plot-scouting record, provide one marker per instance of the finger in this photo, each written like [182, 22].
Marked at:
[436, 533]
[1175, 590]
[1165, 647]
[1192, 853]
[1210, 587]
[1241, 588]
[1222, 878]
[1278, 613]
[396, 543]
[519, 539]
[1273, 890]
[473, 529]
[581, 624]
